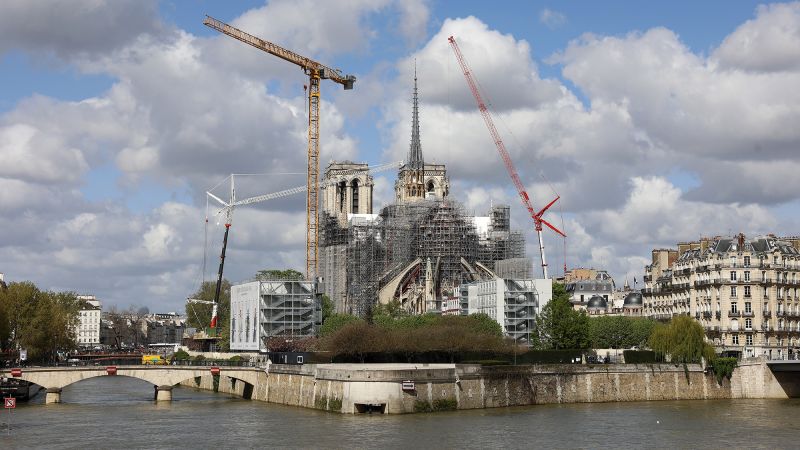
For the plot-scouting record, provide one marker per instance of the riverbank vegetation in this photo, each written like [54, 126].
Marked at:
[41, 322]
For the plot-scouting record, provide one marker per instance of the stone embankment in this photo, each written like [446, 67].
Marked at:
[408, 388]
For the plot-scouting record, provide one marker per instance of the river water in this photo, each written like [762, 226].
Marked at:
[119, 412]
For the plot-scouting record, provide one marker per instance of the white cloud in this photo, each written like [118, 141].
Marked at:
[552, 19]
[768, 43]
[413, 18]
[186, 111]
[76, 28]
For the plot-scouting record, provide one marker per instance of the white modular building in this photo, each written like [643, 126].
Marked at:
[513, 303]
[264, 309]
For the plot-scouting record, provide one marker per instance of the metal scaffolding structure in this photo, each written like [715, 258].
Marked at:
[361, 257]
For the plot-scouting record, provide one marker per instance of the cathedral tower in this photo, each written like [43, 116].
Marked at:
[417, 180]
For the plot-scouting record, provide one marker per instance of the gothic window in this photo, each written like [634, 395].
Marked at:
[355, 197]
[342, 194]
[430, 186]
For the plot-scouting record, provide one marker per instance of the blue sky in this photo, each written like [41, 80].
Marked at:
[119, 115]
[701, 26]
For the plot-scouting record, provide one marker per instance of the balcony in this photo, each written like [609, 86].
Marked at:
[734, 314]
[766, 327]
[748, 314]
[766, 313]
[781, 313]
[706, 314]
[718, 315]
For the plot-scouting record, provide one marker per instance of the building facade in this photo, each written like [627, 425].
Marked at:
[745, 292]
[584, 284]
[513, 304]
[87, 330]
[264, 309]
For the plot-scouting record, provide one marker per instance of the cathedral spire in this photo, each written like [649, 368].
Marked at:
[415, 152]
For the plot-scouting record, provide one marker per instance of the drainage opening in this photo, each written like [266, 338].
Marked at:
[369, 408]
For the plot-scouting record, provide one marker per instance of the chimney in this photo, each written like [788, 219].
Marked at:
[741, 241]
[2, 278]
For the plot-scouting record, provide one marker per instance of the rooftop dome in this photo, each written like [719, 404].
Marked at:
[633, 299]
[597, 302]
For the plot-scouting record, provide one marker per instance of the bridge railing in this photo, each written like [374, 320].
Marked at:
[184, 363]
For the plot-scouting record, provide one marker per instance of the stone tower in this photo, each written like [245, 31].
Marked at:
[418, 180]
[346, 189]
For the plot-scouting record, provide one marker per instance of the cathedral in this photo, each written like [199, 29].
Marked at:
[416, 251]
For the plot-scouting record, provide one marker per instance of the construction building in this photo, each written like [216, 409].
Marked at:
[514, 304]
[263, 309]
[744, 292]
[418, 250]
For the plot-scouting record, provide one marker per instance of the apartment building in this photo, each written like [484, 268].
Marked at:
[745, 292]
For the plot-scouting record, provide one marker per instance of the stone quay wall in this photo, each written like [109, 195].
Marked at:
[353, 388]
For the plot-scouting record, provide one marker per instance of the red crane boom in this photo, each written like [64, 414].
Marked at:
[501, 148]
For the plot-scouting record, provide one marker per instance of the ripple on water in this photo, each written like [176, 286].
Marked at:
[110, 412]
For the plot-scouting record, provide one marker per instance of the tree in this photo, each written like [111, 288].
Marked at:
[559, 326]
[327, 307]
[19, 301]
[277, 274]
[53, 325]
[683, 339]
[336, 322]
[41, 322]
[198, 315]
[119, 326]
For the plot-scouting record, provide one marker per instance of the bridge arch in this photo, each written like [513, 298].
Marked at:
[54, 379]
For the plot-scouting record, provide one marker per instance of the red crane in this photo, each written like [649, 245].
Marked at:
[501, 148]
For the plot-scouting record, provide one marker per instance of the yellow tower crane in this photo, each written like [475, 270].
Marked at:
[315, 71]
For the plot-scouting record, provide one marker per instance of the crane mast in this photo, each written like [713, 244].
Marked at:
[229, 206]
[501, 148]
[316, 71]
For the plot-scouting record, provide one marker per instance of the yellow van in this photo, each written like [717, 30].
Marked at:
[154, 360]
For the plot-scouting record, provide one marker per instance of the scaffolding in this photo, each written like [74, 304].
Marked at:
[359, 258]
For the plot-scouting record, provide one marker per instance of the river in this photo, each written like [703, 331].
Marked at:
[119, 412]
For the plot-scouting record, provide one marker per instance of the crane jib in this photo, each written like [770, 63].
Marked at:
[308, 65]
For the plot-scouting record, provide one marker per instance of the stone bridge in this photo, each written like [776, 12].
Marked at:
[163, 378]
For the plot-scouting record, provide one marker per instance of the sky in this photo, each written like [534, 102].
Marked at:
[655, 122]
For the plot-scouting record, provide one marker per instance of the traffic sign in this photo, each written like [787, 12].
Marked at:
[10, 402]
[16, 372]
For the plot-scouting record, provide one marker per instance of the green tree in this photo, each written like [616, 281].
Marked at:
[52, 326]
[559, 326]
[19, 301]
[198, 315]
[393, 310]
[683, 339]
[481, 323]
[40, 322]
[277, 274]
[335, 322]
[641, 328]
[327, 307]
